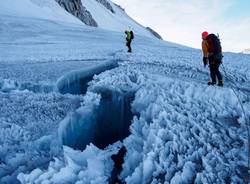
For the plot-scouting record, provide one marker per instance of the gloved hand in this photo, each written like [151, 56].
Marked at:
[205, 61]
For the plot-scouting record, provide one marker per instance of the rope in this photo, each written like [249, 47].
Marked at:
[231, 79]
[234, 85]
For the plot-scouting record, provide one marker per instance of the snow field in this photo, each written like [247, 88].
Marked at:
[28, 130]
[47, 50]
[169, 141]
[177, 145]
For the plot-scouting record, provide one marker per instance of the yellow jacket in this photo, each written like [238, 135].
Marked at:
[128, 33]
[205, 48]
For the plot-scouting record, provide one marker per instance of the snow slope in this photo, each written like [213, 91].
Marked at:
[54, 43]
[51, 10]
[40, 9]
[117, 21]
[182, 131]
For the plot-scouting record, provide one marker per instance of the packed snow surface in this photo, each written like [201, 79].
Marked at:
[182, 131]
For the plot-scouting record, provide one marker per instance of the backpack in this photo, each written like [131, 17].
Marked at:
[214, 44]
[132, 35]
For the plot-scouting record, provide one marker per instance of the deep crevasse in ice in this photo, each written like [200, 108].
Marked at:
[102, 120]
[168, 141]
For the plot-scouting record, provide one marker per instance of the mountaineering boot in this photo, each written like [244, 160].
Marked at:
[211, 83]
[220, 83]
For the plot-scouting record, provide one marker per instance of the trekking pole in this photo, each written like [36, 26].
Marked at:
[244, 114]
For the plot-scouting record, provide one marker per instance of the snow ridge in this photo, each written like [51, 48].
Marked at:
[154, 33]
[107, 5]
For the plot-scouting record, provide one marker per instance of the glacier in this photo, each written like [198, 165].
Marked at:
[72, 98]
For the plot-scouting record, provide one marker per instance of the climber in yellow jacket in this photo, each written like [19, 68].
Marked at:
[129, 38]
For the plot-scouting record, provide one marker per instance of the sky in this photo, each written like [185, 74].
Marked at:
[183, 21]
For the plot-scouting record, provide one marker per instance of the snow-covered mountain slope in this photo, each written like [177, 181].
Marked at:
[39, 9]
[154, 33]
[117, 20]
[182, 131]
[104, 14]
[97, 13]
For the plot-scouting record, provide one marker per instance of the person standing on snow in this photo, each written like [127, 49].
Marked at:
[129, 38]
[212, 54]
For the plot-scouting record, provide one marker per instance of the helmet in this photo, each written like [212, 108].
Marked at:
[204, 34]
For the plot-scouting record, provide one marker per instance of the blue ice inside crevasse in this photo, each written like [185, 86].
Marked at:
[114, 117]
[76, 82]
[100, 123]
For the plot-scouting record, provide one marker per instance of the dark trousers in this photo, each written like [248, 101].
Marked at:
[215, 72]
[128, 44]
